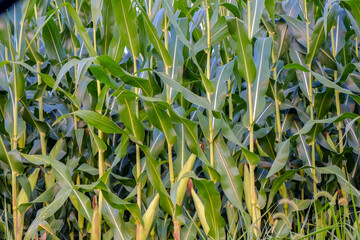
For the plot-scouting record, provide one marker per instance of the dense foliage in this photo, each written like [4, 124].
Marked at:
[185, 119]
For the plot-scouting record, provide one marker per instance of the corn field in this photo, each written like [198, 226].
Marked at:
[180, 119]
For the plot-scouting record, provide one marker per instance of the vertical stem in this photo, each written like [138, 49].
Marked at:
[277, 104]
[58, 17]
[208, 66]
[14, 140]
[138, 163]
[150, 6]
[337, 96]
[177, 227]
[283, 190]
[78, 177]
[14, 190]
[313, 149]
[231, 107]
[251, 130]
[49, 177]
[101, 135]
[171, 165]
[17, 235]
[251, 166]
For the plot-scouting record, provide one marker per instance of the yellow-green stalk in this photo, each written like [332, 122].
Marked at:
[168, 100]
[138, 162]
[49, 177]
[14, 190]
[337, 95]
[14, 140]
[100, 151]
[357, 47]
[231, 107]
[310, 96]
[254, 202]
[283, 190]
[78, 179]
[208, 94]
[277, 103]
[177, 227]
[338, 113]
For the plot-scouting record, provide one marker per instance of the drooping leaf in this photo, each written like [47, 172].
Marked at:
[243, 49]
[282, 155]
[231, 182]
[212, 204]
[323, 102]
[256, 8]
[125, 16]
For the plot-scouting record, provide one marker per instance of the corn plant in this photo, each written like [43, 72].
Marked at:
[185, 119]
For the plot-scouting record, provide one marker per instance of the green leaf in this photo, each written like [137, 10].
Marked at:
[309, 125]
[270, 7]
[126, 77]
[256, 9]
[115, 221]
[187, 94]
[62, 175]
[243, 49]
[217, 33]
[47, 211]
[219, 96]
[101, 146]
[262, 52]
[51, 36]
[117, 203]
[267, 143]
[4, 156]
[279, 182]
[14, 160]
[209, 87]
[66, 68]
[158, 45]
[317, 39]
[232, 8]
[161, 120]
[125, 16]
[99, 121]
[170, 14]
[156, 181]
[341, 178]
[297, 28]
[46, 196]
[191, 133]
[212, 204]
[51, 82]
[101, 75]
[251, 157]
[333, 85]
[96, 6]
[231, 182]
[32, 120]
[80, 27]
[323, 102]
[282, 155]
[128, 116]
